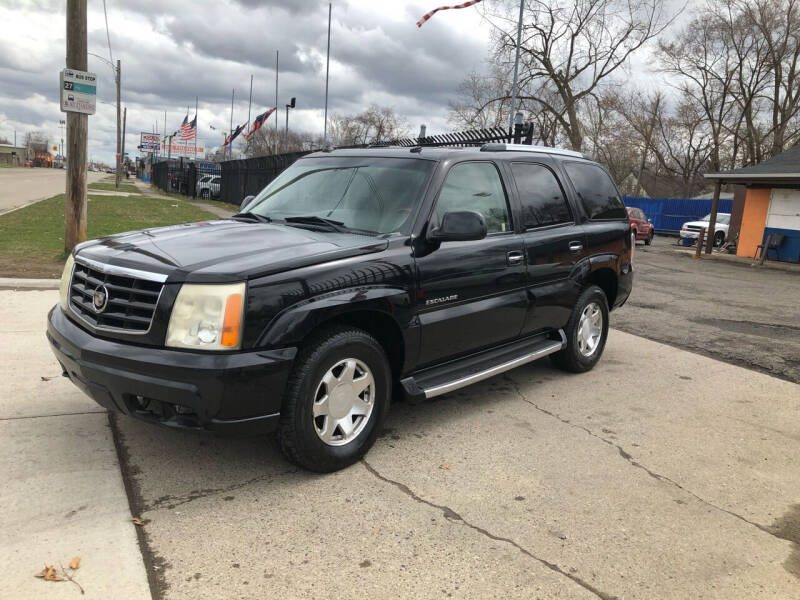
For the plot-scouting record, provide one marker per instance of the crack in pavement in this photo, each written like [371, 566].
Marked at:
[170, 502]
[628, 457]
[453, 516]
[87, 412]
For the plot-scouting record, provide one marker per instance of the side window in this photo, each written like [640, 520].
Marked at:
[475, 186]
[543, 201]
[596, 191]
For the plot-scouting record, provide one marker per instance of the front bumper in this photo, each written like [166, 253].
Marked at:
[229, 393]
[688, 233]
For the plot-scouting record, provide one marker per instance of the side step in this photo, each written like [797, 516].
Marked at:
[477, 367]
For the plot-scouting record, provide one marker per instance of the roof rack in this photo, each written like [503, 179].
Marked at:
[499, 147]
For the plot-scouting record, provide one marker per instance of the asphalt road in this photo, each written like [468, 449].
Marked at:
[21, 186]
[737, 313]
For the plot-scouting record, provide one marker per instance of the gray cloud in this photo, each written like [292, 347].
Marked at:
[174, 50]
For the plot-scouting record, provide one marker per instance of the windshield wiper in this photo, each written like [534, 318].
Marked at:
[252, 215]
[336, 226]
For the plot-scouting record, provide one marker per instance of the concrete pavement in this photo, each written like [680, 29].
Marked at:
[20, 186]
[660, 474]
[62, 493]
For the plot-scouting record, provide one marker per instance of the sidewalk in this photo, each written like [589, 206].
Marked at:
[62, 494]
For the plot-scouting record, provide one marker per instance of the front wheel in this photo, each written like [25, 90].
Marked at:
[204, 194]
[586, 331]
[719, 238]
[336, 399]
[649, 240]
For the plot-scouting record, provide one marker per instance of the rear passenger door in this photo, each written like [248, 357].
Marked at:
[553, 241]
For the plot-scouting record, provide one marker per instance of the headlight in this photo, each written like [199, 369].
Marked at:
[66, 277]
[207, 317]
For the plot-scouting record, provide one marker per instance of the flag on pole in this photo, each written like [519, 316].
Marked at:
[259, 121]
[427, 16]
[188, 129]
[234, 135]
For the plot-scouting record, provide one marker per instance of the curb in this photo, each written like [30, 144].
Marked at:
[11, 283]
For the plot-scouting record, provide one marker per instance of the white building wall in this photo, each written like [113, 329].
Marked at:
[784, 210]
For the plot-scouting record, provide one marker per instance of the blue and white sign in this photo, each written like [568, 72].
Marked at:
[78, 91]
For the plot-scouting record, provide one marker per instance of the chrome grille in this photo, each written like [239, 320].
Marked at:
[130, 301]
[695, 228]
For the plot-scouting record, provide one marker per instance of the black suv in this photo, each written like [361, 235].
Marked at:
[354, 275]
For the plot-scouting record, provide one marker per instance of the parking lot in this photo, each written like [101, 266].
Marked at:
[663, 473]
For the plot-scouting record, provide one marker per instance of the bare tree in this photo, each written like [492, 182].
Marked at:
[375, 125]
[571, 47]
[481, 103]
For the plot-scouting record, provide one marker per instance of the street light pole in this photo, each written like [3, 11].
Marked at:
[286, 134]
[516, 68]
[119, 131]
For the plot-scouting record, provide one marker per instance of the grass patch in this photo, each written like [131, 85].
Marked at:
[32, 238]
[109, 187]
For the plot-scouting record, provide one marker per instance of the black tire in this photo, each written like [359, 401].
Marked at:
[719, 238]
[571, 358]
[649, 240]
[297, 431]
[204, 194]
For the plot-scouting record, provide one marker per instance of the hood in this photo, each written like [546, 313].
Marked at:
[225, 250]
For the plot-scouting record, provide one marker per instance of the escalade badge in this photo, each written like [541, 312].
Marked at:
[100, 298]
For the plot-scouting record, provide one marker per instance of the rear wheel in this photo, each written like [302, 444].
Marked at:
[337, 396]
[586, 331]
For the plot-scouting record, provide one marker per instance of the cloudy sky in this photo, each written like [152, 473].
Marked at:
[175, 50]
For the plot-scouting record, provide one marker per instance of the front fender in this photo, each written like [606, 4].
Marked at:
[292, 325]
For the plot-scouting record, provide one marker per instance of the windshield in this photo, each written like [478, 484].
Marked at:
[723, 218]
[371, 194]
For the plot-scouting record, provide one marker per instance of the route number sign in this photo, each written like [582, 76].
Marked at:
[78, 91]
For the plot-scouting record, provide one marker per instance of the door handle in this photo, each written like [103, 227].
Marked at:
[515, 258]
[575, 247]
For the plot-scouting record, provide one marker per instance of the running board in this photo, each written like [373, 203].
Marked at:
[466, 371]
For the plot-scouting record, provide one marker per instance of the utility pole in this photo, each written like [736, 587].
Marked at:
[230, 144]
[516, 68]
[119, 140]
[122, 149]
[277, 58]
[77, 132]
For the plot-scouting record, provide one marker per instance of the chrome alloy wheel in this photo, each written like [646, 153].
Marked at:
[590, 329]
[343, 402]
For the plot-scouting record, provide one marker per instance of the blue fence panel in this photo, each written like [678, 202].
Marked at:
[669, 214]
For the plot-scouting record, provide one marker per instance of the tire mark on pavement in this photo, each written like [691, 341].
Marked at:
[453, 516]
[628, 457]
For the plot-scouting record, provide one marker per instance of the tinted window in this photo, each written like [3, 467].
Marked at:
[596, 191]
[475, 186]
[542, 198]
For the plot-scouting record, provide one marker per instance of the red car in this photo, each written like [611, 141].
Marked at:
[641, 227]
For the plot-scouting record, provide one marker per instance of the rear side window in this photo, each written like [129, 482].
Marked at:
[543, 201]
[596, 191]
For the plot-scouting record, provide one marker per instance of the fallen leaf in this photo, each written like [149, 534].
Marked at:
[138, 521]
[47, 378]
[49, 574]
[444, 467]
[75, 563]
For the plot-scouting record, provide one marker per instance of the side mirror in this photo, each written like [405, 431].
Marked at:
[459, 226]
[245, 202]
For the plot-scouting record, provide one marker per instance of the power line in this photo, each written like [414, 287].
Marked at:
[108, 35]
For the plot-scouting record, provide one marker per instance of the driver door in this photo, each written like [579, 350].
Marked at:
[472, 294]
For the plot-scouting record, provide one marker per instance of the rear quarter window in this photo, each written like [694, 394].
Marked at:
[596, 191]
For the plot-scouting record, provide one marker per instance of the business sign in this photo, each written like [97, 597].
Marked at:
[180, 150]
[78, 91]
[149, 142]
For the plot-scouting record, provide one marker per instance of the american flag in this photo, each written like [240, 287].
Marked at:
[427, 16]
[259, 121]
[188, 129]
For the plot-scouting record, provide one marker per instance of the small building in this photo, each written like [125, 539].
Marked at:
[769, 204]
[12, 155]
